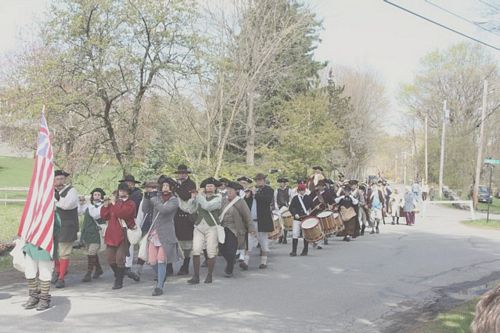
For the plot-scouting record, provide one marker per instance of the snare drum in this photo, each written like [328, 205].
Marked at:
[338, 224]
[327, 221]
[287, 220]
[276, 233]
[312, 229]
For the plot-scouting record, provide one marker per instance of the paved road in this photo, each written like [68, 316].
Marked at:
[377, 283]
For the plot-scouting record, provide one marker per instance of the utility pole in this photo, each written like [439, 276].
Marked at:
[396, 168]
[404, 168]
[426, 152]
[441, 161]
[479, 162]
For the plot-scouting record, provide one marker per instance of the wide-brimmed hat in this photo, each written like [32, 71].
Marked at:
[60, 173]
[353, 182]
[234, 185]
[282, 180]
[129, 178]
[182, 168]
[317, 167]
[260, 176]
[245, 179]
[210, 180]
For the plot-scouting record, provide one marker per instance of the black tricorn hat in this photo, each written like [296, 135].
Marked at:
[170, 181]
[353, 182]
[282, 180]
[97, 189]
[129, 178]
[210, 180]
[260, 176]
[182, 168]
[245, 179]
[234, 185]
[60, 173]
[124, 187]
[317, 167]
[224, 180]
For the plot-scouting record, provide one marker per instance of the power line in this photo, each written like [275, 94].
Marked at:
[460, 17]
[489, 4]
[442, 25]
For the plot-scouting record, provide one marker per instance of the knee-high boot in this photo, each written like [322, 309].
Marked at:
[196, 268]
[211, 265]
[305, 250]
[295, 242]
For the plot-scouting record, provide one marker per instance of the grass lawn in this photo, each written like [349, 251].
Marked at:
[494, 207]
[15, 171]
[491, 224]
[457, 320]
[9, 220]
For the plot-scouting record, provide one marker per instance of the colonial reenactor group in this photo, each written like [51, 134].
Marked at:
[171, 220]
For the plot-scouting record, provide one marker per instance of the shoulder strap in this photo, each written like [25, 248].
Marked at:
[229, 205]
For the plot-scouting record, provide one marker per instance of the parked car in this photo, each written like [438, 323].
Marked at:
[485, 195]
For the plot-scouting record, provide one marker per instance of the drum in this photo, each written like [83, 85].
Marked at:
[311, 228]
[338, 224]
[287, 220]
[327, 221]
[276, 233]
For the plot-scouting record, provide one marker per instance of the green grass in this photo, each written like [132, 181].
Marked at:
[10, 215]
[491, 224]
[494, 207]
[15, 171]
[457, 320]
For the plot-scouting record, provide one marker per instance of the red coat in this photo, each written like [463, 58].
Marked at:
[120, 210]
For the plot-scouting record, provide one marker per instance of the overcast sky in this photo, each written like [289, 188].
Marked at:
[368, 34]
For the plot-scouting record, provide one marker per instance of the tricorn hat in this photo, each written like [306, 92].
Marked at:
[282, 180]
[182, 168]
[234, 185]
[97, 189]
[129, 178]
[124, 187]
[245, 179]
[210, 180]
[170, 181]
[317, 167]
[260, 176]
[60, 173]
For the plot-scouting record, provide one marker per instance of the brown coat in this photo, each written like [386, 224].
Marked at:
[238, 219]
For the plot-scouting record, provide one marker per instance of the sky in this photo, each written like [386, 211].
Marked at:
[363, 34]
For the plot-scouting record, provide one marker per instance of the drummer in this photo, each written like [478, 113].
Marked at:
[323, 199]
[282, 198]
[299, 207]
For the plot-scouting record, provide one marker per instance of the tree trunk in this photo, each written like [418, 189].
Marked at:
[112, 136]
[250, 146]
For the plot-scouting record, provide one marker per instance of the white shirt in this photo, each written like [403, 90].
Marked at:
[70, 201]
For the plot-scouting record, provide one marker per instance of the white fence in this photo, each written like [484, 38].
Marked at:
[5, 191]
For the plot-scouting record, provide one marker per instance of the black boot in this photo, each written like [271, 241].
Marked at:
[305, 250]
[44, 303]
[284, 237]
[196, 267]
[170, 270]
[211, 265]
[131, 275]
[90, 268]
[397, 220]
[325, 241]
[120, 273]
[295, 242]
[362, 230]
[377, 229]
[280, 240]
[98, 269]
[185, 267]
